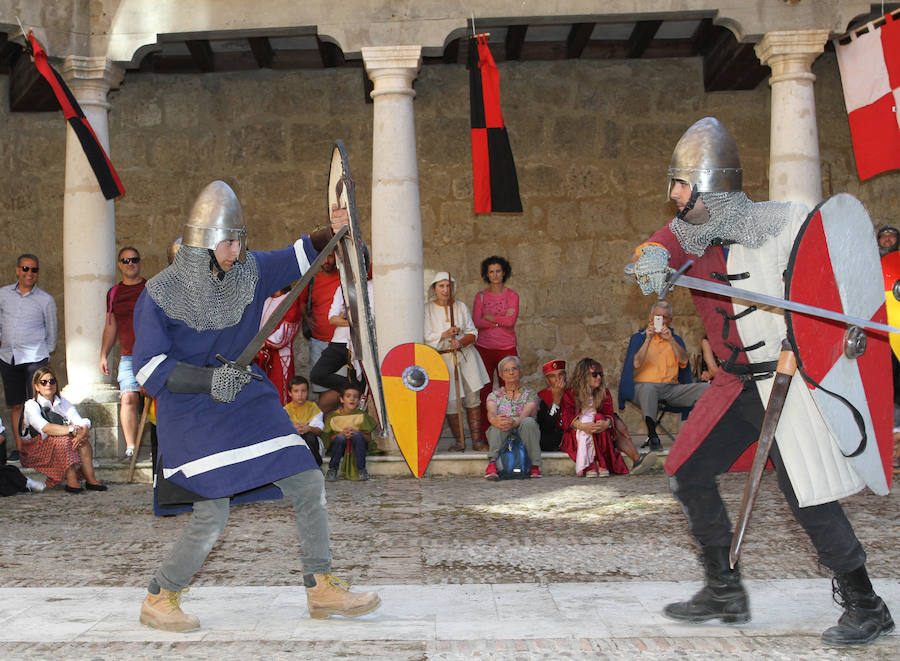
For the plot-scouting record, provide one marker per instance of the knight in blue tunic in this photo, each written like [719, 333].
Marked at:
[224, 435]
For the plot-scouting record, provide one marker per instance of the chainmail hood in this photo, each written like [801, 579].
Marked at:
[189, 291]
[733, 218]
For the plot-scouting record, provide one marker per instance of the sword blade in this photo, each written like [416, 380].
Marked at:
[249, 352]
[787, 365]
[755, 297]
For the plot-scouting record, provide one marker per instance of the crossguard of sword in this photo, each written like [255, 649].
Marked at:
[235, 366]
[673, 276]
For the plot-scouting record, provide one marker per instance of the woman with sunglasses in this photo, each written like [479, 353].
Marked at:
[591, 437]
[60, 446]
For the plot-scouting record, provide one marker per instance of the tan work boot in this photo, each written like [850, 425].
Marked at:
[332, 596]
[162, 611]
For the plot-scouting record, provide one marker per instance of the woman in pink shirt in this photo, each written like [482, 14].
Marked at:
[495, 312]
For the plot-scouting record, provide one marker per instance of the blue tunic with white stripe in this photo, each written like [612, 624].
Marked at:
[211, 448]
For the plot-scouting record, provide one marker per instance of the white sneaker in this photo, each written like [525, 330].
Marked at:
[129, 452]
[34, 486]
[591, 474]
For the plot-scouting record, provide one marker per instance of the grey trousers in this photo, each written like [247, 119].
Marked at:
[647, 395]
[305, 490]
[530, 434]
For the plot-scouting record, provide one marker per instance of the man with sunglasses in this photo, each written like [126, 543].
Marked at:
[120, 301]
[28, 330]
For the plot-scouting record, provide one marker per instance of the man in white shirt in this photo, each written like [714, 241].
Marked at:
[28, 331]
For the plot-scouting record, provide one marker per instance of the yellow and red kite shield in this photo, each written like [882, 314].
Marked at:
[890, 267]
[416, 388]
[835, 265]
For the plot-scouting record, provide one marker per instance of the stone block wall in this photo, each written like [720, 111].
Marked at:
[592, 140]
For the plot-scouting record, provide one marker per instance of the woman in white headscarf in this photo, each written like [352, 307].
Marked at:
[457, 338]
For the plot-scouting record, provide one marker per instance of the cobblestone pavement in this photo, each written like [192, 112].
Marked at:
[437, 531]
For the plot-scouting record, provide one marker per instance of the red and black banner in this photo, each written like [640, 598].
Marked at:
[109, 181]
[494, 171]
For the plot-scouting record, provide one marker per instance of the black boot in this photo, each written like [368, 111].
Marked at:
[653, 441]
[723, 596]
[865, 615]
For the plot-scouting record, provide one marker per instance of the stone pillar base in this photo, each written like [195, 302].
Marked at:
[99, 402]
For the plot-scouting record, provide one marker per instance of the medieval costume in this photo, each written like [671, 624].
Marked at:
[472, 374]
[223, 434]
[731, 238]
[595, 453]
[276, 358]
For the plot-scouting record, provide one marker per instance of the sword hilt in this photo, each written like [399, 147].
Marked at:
[243, 368]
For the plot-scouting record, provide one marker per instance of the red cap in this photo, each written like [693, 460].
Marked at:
[554, 366]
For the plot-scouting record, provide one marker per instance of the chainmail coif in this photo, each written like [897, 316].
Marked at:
[189, 291]
[733, 218]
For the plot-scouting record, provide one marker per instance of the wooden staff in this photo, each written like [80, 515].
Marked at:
[137, 443]
[456, 379]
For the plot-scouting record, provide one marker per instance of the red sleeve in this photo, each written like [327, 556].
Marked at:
[295, 312]
[477, 310]
[568, 410]
[510, 321]
[606, 408]
[666, 238]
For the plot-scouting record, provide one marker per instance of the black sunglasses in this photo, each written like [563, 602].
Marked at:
[47, 382]
[596, 374]
[26, 269]
[130, 260]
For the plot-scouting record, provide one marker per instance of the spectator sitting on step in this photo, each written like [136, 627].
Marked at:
[60, 445]
[348, 425]
[306, 415]
[591, 438]
[549, 406]
[659, 354]
[513, 407]
[11, 479]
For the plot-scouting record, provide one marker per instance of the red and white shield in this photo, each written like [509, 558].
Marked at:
[835, 265]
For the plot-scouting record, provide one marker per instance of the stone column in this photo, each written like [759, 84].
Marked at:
[794, 169]
[396, 214]
[89, 250]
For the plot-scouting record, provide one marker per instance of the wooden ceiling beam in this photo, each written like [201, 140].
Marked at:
[703, 37]
[515, 38]
[202, 54]
[641, 36]
[262, 51]
[451, 53]
[28, 90]
[728, 65]
[578, 38]
[331, 55]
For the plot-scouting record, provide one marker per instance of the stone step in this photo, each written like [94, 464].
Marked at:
[443, 464]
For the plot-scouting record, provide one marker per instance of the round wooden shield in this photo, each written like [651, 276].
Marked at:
[416, 389]
[890, 268]
[835, 265]
[352, 267]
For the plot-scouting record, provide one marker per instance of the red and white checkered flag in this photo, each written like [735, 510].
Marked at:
[870, 73]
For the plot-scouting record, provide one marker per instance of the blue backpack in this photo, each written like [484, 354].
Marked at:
[513, 462]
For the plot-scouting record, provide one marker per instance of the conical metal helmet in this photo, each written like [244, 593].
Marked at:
[707, 157]
[216, 217]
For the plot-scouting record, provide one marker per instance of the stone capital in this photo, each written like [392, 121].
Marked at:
[790, 53]
[91, 78]
[392, 69]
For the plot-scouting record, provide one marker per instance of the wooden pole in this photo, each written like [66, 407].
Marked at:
[137, 443]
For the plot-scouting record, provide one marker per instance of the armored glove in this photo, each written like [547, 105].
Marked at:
[222, 383]
[651, 268]
[228, 381]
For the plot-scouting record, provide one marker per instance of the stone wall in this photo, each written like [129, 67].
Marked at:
[592, 140]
